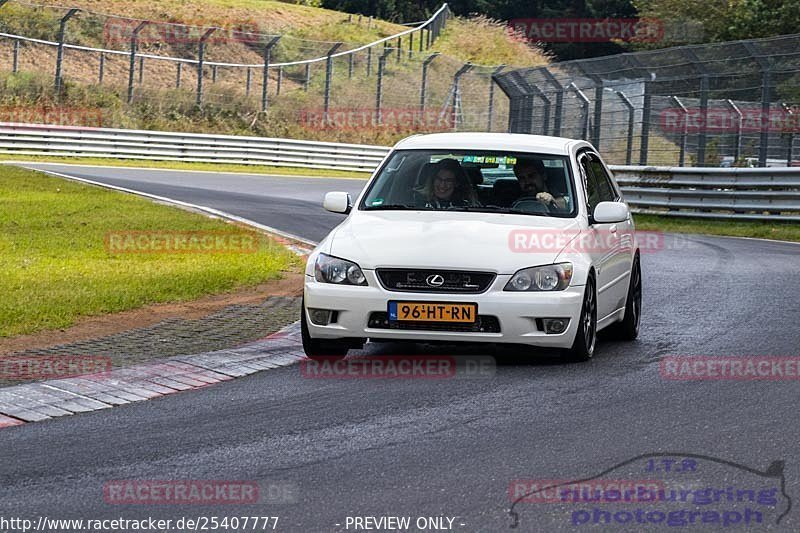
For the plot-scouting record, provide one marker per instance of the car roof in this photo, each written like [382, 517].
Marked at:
[512, 142]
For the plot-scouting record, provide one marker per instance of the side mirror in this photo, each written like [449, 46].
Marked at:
[611, 212]
[337, 202]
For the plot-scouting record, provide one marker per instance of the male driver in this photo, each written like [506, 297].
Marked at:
[531, 174]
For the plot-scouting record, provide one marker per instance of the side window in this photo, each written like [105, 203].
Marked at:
[592, 189]
[605, 188]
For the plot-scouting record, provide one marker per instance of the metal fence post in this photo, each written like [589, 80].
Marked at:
[248, 81]
[369, 61]
[178, 72]
[645, 141]
[702, 137]
[213, 73]
[280, 81]
[585, 105]
[328, 76]
[410, 44]
[424, 85]
[62, 30]
[141, 70]
[763, 148]
[684, 130]
[132, 65]
[379, 88]
[265, 78]
[598, 112]
[631, 113]
[200, 56]
[763, 145]
[15, 59]
[456, 101]
[350, 60]
[492, 80]
[737, 147]
[307, 81]
[559, 111]
[546, 100]
[522, 104]
[789, 135]
[399, 49]
[101, 69]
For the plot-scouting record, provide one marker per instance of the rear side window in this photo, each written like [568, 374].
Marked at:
[598, 183]
[605, 187]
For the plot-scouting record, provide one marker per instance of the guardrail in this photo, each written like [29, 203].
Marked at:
[731, 193]
[68, 141]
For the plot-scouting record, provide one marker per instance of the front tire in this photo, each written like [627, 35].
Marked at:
[320, 349]
[586, 339]
[628, 328]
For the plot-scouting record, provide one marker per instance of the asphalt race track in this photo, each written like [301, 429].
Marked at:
[448, 447]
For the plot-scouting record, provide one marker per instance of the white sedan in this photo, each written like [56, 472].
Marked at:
[475, 237]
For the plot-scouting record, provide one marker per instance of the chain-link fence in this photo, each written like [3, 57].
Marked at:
[727, 104]
[292, 87]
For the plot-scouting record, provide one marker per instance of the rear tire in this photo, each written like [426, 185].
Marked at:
[628, 328]
[321, 349]
[586, 338]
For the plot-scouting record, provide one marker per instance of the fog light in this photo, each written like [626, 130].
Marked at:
[319, 317]
[555, 325]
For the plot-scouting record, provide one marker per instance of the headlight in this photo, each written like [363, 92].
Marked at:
[543, 278]
[330, 269]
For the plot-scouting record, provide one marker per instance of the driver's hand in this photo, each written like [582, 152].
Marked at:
[545, 197]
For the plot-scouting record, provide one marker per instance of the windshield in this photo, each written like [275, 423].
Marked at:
[474, 180]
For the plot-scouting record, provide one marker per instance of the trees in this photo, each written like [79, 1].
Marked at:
[726, 20]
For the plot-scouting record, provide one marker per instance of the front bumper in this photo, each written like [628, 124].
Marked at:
[515, 312]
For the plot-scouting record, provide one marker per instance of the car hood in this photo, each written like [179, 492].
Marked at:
[454, 240]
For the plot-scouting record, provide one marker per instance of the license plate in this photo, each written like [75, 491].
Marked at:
[432, 312]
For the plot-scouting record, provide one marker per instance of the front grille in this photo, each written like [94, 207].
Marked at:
[484, 324]
[416, 280]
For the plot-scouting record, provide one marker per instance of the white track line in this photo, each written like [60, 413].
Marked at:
[187, 205]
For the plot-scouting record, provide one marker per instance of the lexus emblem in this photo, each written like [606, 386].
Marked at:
[435, 280]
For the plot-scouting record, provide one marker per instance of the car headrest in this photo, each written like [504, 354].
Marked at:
[425, 172]
[474, 174]
[556, 181]
[505, 191]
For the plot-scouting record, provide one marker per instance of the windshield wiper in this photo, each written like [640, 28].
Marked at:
[498, 209]
[388, 207]
[481, 208]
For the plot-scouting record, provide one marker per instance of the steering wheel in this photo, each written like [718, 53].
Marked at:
[532, 206]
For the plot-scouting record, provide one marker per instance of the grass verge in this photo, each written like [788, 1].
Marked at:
[179, 165]
[57, 266]
[781, 231]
